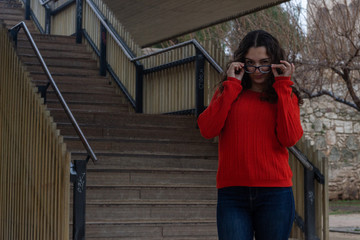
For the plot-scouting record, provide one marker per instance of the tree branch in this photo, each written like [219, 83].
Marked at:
[330, 94]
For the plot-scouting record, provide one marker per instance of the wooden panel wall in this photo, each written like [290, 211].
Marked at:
[34, 163]
[39, 12]
[64, 23]
[174, 89]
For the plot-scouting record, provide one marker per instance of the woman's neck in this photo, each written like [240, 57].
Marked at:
[257, 87]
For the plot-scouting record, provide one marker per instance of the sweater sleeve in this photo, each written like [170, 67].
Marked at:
[288, 125]
[212, 120]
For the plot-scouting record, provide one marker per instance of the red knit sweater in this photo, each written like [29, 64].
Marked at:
[253, 134]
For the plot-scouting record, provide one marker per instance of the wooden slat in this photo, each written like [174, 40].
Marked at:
[64, 23]
[39, 12]
[34, 201]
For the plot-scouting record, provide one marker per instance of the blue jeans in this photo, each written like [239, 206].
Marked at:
[267, 212]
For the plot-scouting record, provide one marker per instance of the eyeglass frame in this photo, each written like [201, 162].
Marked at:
[257, 67]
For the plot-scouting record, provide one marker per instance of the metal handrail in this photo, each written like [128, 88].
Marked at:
[196, 44]
[68, 112]
[302, 158]
[43, 3]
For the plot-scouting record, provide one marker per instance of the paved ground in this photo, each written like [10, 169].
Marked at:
[342, 224]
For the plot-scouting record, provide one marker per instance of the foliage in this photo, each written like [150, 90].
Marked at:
[326, 53]
[329, 62]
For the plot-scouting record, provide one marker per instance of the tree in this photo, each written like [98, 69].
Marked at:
[326, 54]
[329, 63]
[279, 21]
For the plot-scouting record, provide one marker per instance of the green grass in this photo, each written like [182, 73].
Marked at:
[344, 207]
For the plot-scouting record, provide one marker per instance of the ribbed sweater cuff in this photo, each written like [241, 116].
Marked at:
[234, 82]
[282, 82]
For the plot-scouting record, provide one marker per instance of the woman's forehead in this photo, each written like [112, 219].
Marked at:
[257, 54]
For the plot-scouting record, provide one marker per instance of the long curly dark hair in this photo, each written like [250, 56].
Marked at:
[260, 38]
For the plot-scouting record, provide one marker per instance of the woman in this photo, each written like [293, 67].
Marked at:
[255, 112]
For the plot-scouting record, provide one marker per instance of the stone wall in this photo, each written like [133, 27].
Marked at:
[334, 128]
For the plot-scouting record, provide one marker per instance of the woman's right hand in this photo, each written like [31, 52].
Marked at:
[236, 70]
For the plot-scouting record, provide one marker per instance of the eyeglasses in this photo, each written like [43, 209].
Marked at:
[262, 69]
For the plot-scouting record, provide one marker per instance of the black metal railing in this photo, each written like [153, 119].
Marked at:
[311, 173]
[48, 13]
[201, 56]
[78, 168]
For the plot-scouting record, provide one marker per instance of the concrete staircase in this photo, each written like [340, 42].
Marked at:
[155, 178]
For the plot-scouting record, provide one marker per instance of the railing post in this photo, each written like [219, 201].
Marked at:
[139, 87]
[103, 50]
[200, 63]
[27, 10]
[47, 19]
[14, 34]
[309, 189]
[79, 6]
[79, 200]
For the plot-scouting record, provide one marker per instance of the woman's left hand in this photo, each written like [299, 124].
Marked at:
[286, 68]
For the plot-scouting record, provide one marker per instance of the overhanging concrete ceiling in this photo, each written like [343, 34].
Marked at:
[153, 21]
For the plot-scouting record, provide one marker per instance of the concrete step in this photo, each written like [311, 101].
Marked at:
[44, 38]
[93, 81]
[80, 95]
[11, 8]
[128, 120]
[143, 146]
[8, 14]
[64, 71]
[93, 107]
[54, 46]
[151, 212]
[135, 133]
[148, 230]
[118, 161]
[150, 193]
[70, 56]
[51, 62]
[151, 178]
[77, 91]
[30, 25]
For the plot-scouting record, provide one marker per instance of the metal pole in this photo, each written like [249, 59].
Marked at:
[139, 87]
[79, 200]
[47, 19]
[103, 50]
[309, 189]
[14, 34]
[200, 63]
[79, 5]
[27, 10]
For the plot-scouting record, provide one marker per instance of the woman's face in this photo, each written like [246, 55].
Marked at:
[257, 56]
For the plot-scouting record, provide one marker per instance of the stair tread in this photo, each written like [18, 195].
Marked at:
[134, 139]
[132, 153]
[135, 185]
[163, 221]
[152, 170]
[147, 202]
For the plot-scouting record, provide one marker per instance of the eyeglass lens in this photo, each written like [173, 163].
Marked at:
[262, 69]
